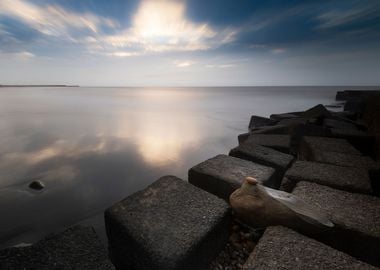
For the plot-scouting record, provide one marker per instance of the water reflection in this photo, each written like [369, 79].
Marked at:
[94, 146]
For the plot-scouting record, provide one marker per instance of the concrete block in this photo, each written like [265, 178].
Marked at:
[222, 175]
[343, 178]
[169, 225]
[278, 142]
[75, 248]
[258, 121]
[285, 249]
[310, 144]
[363, 141]
[332, 123]
[282, 116]
[357, 219]
[265, 156]
[319, 112]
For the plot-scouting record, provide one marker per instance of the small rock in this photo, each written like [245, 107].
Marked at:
[37, 185]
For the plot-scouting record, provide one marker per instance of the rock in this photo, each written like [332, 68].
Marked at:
[75, 248]
[169, 225]
[357, 219]
[36, 185]
[317, 112]
[310, 144]
[259, 206]
[276, 129]
[357, 106]
[258, 121]
[285, 249]
[222, 174]
[343, 178]
[278, 142]
[265, 156]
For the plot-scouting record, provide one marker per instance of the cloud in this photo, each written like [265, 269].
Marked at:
[161, 26]
[53, 20]
[183, 64]
[340, 17]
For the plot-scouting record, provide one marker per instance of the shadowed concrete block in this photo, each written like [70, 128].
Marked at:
[76, 248]
[311, 144]
[357, 219]
[332, 123]
[278, 142]
[264, 156]
[344, 178]
[222, 175]
[346, 160]
[243, 137]
[282, 248]
[319, 112]
[282, 116]
[169, 225]
[259, 121]
[361, 140]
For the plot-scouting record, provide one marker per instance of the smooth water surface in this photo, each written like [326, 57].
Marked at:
[93, 146]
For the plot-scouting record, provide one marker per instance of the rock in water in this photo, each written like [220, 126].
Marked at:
[259, 206]
[37, 185]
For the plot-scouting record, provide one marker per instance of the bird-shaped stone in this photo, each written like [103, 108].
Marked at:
[260, 206]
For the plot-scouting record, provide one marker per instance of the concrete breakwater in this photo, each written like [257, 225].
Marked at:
[328, 159]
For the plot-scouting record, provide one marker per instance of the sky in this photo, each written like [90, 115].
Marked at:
[190, 43]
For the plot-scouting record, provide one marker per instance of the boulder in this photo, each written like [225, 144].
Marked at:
[285, 249]
[169, 225]
[265, 156]
[222, 175]
[36, 185]
[356, 216]
[75, 248]
[343, 178]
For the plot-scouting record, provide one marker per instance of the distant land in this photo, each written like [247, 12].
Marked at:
[37, 85]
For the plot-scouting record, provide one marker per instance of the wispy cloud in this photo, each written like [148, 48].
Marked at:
[183, 63]
[52, 20]
[339, 17]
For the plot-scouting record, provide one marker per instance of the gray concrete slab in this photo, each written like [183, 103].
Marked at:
[265, 156]
[282, 248]
[278, 142]
[343, 178]
[357, 219]
[309, 144]
[169, 225]
[75, 248]
[222, 174]
[259, 121]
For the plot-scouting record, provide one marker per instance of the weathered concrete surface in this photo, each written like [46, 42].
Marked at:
[309, 144]
[222, 175]
[343, 178]
[319, 112]
[278, 142]
[282, 248]
[361, 140]
[282, 116]
[243, 137]
[169, 225]
[332, 123]
[346, 160]
[265, 156]
[76, 248]
[357, 219]
[259, 121]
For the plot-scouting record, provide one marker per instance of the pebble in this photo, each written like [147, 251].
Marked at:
[240, 245]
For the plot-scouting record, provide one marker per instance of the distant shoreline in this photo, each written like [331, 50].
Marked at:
[37, 85]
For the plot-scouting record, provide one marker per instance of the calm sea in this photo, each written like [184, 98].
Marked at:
[92, 146]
